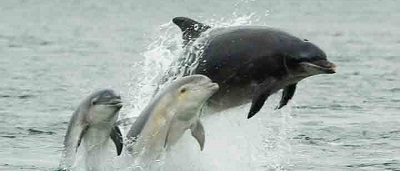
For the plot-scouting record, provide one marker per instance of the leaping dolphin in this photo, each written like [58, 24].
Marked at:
[175, 109]
[93, 125]
[248, 62]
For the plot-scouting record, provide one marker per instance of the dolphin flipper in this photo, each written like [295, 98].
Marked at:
[174, 132]
[116, 136]
[191, 29]
[261, 93]
[167, 137]
[287, 94]
[197, 130]
[83, 132]
[256, 104]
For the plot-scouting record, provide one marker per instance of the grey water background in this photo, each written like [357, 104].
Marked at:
[54, 53]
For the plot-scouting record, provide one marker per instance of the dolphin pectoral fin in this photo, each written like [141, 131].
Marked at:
[191, 29]
[260, 94]
[85, 128]
[167, 136]
[287, 94]
[174, 132]
[256, 104]
[116, 137]
[198, 133]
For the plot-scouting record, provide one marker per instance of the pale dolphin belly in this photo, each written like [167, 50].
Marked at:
[97, 148]
[233, 96]
[228, 98]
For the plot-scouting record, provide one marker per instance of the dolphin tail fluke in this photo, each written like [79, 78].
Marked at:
[287, 94]
[197, 130]
[116, 137]
[191, 29]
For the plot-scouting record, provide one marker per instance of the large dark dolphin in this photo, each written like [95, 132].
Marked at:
[248, 62]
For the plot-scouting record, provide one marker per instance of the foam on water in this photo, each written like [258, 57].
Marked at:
[232, 142]
[145, 74]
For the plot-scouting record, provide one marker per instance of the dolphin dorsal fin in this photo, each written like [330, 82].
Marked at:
[191, 29]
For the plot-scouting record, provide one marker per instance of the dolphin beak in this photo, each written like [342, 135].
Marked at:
[115, 102]
[322, 66]
[214, 87]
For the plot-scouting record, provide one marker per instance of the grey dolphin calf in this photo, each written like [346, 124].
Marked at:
[248, 62]
[175, 109]
[93, 125]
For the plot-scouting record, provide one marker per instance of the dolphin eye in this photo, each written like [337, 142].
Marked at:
[183, 90]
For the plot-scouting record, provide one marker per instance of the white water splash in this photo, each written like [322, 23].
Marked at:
[147, 73]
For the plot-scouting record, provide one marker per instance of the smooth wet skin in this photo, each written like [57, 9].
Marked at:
[92, 125]
[250, 63]
[175, 109]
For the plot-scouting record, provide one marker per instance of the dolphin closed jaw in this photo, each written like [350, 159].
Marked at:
[324, 66]
[115, 102]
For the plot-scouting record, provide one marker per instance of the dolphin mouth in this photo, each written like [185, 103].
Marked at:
[209, 86]
[323, 66]
[213, 86]
[114, 103]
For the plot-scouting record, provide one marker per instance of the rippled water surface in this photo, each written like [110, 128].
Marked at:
[54, 53]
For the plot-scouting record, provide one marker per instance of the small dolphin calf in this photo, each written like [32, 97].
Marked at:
[93, 124]
[173, 110]
[249, 63]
